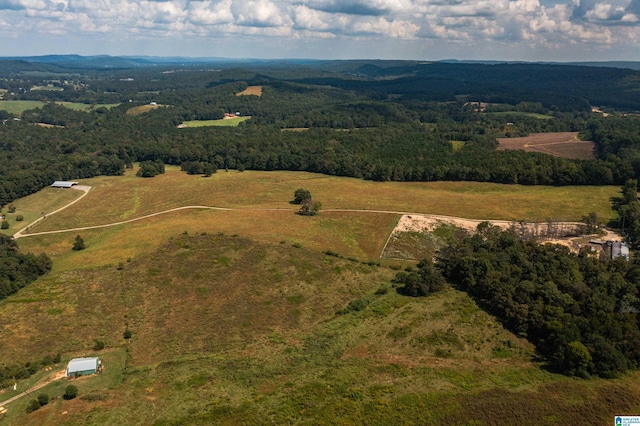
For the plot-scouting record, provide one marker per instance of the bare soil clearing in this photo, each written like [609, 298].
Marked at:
[562, 233]
[558, 144]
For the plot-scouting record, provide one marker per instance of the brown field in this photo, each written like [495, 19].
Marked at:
[251, 91]
[558, 144]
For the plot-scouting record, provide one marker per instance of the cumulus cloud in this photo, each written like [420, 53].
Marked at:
[470, 24]
[359, 7]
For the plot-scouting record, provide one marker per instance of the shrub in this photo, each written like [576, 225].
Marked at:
[19, 218]
[70, 392]
[43, 399]
[5, 225]
[33, 406]
[127, 334]
[78, 244]
[99, 345]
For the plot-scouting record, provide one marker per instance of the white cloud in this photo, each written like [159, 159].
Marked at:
[470, 25]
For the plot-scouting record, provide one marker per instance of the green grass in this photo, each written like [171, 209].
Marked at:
[361, 235]
[18, 107]
[254, 337]
[457, 145]
[36, 205]
[230, 122]
[234, 314]
[522, 114]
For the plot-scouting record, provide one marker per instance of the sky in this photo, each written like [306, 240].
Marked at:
[522, 30]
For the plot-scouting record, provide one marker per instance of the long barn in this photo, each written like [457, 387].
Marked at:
[63, 184]
[83, 366]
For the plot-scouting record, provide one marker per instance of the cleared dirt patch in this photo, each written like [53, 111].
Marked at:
[251, 91]
[558, 144]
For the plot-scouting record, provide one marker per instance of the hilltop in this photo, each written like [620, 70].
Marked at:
[225, 329]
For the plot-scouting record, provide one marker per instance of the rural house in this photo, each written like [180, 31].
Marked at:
[83, 366]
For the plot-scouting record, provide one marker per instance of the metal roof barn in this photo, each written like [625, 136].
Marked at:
[82, 366]
[63, 184]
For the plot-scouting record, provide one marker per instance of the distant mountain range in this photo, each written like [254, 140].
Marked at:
[126, 62]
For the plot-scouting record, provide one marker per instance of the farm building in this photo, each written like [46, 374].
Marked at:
[83, 366]
[619, 249]
[63, 184]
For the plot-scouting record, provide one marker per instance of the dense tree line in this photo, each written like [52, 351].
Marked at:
[18, 270]
[628, 208]
[579, 311]
[361, 123]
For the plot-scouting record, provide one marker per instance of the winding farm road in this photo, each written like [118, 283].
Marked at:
[83, 188]
[410, 221]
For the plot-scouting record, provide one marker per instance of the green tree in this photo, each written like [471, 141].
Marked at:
[70, 392]
[33, 406]
[309, 207]
[300, 195]
[5, 225]
[421, 282]
[79, 243]
[43, 399]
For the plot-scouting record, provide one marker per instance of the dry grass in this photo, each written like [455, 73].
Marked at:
[263, 212]
[226, 331]
[559, 144]
[223, 122]
[125, 197]
[251, 91]
[141, 109]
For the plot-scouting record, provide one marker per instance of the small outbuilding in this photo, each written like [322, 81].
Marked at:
[63, 184]
[619, 249]
[83, 366]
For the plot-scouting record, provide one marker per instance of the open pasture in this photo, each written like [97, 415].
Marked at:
[223, 122]
[119, 198]
[558, 144]
[356, 219]
[18, 107]
[141, 109]
[251, 91]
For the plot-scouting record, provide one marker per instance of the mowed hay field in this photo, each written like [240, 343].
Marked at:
[559, 144]
[356, 220]
[223, 122]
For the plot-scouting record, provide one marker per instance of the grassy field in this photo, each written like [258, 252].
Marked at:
[263, 211]
[522, 114]
[141, 109]
[18, 107]
[36, 206]
[237, 317]
[228, 331]
[224, 122]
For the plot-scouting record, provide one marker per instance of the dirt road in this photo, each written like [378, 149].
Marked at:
[57, 375]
